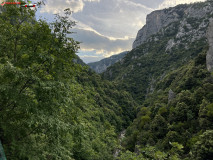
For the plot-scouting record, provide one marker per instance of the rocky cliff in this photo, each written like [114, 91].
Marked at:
[103, 64]
[184, 14]
[156, 21]
[209, 56]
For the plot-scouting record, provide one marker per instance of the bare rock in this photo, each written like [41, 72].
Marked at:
[154, 22]
[209, 56]
[172, 95]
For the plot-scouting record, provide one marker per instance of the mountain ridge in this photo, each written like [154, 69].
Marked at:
[103, 64]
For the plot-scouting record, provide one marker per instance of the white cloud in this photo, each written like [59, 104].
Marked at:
[149, 3]
[89, 59]
[132, 3]
[92, 0]
[85, 27]
[58, 6]
[86, 56]
[171, 3]
[89, 55]
[113, 18]
[100, 44]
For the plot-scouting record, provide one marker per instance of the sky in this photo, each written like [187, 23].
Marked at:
[105, 27]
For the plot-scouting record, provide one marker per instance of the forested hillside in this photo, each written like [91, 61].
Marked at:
[167, 75]
[175, 121]
[50, 106]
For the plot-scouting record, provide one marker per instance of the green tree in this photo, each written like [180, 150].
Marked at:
[35, 66]
[205, 115]
[203, 148]
[159, 126]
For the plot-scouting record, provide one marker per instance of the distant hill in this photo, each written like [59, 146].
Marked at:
[103, 64]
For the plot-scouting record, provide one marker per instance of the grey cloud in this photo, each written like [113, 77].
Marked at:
[149, 3]
[92, 41]
[115, 18]
[58, 6]
[171, 3]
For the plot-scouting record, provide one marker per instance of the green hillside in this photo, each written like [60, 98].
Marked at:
[180, 126]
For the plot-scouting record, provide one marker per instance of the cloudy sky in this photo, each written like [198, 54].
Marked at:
[106, 27]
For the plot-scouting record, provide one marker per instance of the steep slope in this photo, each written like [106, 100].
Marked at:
[175, 121]
[171, 47]
[78, 60]
[103, 64]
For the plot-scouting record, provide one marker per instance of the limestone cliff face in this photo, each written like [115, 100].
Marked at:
[209, 56]
[158, 20]
[154, 22]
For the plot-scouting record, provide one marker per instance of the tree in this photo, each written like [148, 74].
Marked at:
[205, 115]
[35, 66]
[159, 126]
[203, 148]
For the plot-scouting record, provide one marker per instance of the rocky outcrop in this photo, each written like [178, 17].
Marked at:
[171, 96]
[209, 56]
[183, 14]
[154, 22]
[120, 138]
[103, 64]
